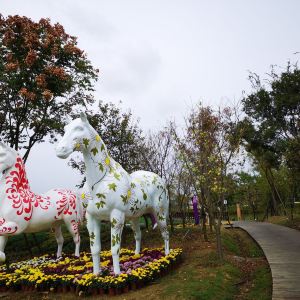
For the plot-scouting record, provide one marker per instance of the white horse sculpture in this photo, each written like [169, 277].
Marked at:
[115, 194]
[23, 211]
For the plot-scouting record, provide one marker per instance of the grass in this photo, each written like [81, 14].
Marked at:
[261, 279]
[285, 221]
[230, 242]
[200, 276]
[240, 243]
[214, 283]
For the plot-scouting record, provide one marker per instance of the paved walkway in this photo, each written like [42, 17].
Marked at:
[281, 246]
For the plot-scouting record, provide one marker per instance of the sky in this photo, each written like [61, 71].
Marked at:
[161, 57]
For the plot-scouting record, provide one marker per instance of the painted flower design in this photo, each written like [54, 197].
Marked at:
[18, 191]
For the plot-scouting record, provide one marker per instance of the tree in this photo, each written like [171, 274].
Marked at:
[44, 76]
[160, 157]
[272, 125]
[208, 148]
[246, 191]
[183, 189]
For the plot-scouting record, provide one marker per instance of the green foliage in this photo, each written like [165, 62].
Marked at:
[115, 238]
[112, 186]
[271, 130]
[100, 204]
[144, 195]
[113, 222]
[99, 195]
[94, 151]
[43, 77]
[86, 142]
[100, 165]
[211, 142]
[124, 199]
[117, 175]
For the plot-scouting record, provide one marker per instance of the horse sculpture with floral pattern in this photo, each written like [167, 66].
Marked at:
[115, 194]
[22, 211]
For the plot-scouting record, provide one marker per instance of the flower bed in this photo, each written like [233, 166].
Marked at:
[68, 273]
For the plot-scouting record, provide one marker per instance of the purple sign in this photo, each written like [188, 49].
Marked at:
[195, 209]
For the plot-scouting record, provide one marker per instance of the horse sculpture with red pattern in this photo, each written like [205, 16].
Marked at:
[22, 211]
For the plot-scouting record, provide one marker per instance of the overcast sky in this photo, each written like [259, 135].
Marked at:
[160, 57]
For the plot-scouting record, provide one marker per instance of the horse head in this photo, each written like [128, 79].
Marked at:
[77, 132]
[8, 157]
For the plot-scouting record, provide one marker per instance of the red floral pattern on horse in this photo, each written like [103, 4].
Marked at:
[67, 202]
[6, 229]
[23, 199]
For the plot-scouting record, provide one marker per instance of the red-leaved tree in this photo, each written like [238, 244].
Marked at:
[44, 76]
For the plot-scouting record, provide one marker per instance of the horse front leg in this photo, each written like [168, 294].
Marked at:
[3, 240]
[117, 223]
[93, 226]
[137, 234]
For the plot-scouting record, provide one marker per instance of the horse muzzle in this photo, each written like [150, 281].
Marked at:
[63, 152]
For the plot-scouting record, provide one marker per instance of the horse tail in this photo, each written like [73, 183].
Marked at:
[164, 195]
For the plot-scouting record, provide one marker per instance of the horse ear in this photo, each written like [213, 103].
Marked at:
[83, 117]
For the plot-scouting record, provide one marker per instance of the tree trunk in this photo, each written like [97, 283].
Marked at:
[204, 229]
[266, 215]
[182, 211]
[210, 224]
[171, 222]
[271, 185]
[277, 193]
[217, 227]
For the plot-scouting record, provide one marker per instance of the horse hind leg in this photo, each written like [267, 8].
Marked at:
[137, 234]
[59, 239]
[117, 219]
[72, 227]
[162, 224]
